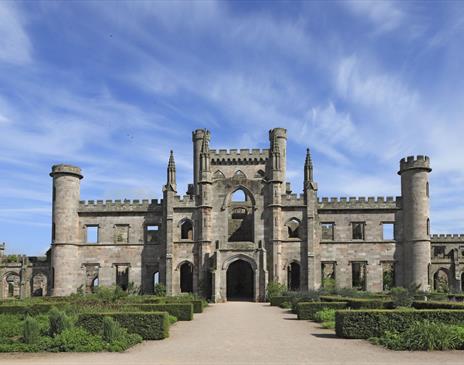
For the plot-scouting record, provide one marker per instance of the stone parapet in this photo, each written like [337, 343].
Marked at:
[414, 162]
[127, 205]
[381, 202]
[239, 157]
[439, 238]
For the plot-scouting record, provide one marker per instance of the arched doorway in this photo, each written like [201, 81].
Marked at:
[441, 281]
[240, 281]
[293, 276]
[186, 277]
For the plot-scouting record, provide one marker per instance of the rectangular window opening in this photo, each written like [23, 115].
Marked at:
[327, 231]
[151, 232]
[92, 234]
[388, 231]
[358, 230]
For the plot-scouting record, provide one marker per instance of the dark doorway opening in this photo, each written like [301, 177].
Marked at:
[240, 278]
[293, 276]
[186, 278]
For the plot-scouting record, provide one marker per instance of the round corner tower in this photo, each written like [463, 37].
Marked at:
[416, 224]
[65, 228]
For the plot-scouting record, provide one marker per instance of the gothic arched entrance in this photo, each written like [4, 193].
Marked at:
[240, 281]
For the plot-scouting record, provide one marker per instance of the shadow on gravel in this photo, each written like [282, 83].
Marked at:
[291, 319]
[324, 335]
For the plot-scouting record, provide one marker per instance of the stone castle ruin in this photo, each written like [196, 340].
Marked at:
[238, 228]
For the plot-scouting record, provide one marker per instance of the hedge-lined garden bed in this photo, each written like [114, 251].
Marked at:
[364, 324]
[182, 311]
[307, 310]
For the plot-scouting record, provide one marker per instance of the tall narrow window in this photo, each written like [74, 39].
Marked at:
[358, 275]
[388, 275]
[186, 230]
[388, 231]
[428, 226]
[358, 230]
[92, 234]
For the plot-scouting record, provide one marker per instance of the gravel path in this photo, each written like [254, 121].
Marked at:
[245, 333]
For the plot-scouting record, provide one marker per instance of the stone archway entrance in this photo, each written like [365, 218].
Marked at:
[240, 281]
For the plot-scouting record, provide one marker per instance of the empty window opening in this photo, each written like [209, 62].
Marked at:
[327, 231]
[439, 252]
[218, 175]
[122, 276]
[151, 233]
[293, 228]
[328, 275]
[388, 275]
[186, 230]
[239, 196]
[121, 233]
[358, 230]
[441, 281]
[427, 189]
[38, 285]
[428, 226]
[95, 283]
[388, 231]
[11, 286]
[156, 278]
[358, 275]
[186, 278]
[293, 276]
[92, 234]
[91, 273]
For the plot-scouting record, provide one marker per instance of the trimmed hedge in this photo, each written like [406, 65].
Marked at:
[361, 303]
[182, 311]
[373, 323]
[30, 309]
[149, 325]
[307, 310]
[437, 305]
[277, 301]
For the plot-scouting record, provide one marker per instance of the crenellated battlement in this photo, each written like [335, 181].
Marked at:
[239, 156]
[119, 205]
[381, 202]
[184, 201]
[414, 162]
[438, 238]
[292, 199]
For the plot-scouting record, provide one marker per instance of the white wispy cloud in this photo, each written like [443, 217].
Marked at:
[15, 45]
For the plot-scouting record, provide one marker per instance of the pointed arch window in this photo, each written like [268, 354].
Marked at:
[293, 228]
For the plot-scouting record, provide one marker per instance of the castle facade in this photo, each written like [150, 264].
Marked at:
[238, 228]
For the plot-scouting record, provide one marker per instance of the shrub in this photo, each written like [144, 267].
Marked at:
[160, 290]
[328, 325]
[149, 325]
[307, 310]
[183, 311]
[303, 296]
[401, 297]
[277, 301]
[109, 294]
[329, 285]
[285, 305]
[374, 323]
[59, 322]
[437, 305]
[172, 319]
[275, 289]
[31, 309]
[77, 340]
[325, 315]
[31, 330]
[111, 329]
[425, 336]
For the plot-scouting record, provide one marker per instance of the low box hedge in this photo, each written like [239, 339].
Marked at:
[149, 325]
[277, 301]
[306, 310]
[361, 303]
[32, 309]
[374, 322]
[182, 311]
[437, 305]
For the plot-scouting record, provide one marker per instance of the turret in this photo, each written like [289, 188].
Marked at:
[416, 224]
[171, 174]
[308, 167]
[197, 138]
[65, 228]
[278, 153]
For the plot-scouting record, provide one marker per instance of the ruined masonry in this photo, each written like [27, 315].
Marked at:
[239, 227]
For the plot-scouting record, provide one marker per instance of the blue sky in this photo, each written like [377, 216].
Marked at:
[113, 86]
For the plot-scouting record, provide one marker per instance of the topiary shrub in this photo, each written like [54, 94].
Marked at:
[285, 305]
[59, 322]
[183, 311]
[111, 329]
[160, 290]
[307, 310]
[325, 315]
[303, 296]
[31, 330]
[149, 325]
